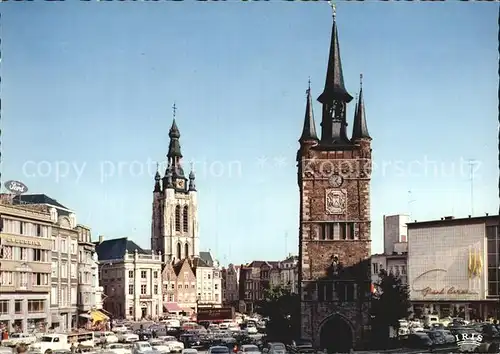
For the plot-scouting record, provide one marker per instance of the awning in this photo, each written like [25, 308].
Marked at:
[85, 315]
[98, 316]
[172, 307]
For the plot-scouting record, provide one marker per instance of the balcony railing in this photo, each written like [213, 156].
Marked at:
[151, 257]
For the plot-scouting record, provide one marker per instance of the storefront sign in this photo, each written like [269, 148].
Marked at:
[20, 241]
[446, 291]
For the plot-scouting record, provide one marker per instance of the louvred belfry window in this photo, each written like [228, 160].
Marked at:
[177, 218]
[185, 218]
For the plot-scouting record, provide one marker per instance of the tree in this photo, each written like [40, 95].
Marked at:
[282, 308]
[390, 303]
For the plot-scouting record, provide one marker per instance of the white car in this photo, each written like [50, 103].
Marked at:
[189, 351]
[18, 338]
[142, 348]
[174, 345]
[219, 349]
[120, 329]
[249, 348]
[116, 348]
[159, 346]
[252, 330]
[128, 337]
[109, 338]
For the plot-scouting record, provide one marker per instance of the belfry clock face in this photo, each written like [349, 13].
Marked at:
[180, 184]
[336, 181]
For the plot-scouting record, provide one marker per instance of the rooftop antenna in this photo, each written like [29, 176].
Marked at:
[471, 163]
[286, 244]
[410, 202]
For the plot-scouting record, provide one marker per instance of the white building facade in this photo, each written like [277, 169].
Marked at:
[131, 279]
[208, 285]
[289, 274]
[447, 267]
[231, 281]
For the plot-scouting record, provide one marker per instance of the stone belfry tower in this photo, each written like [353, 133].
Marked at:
[334, 242]
[174, 227]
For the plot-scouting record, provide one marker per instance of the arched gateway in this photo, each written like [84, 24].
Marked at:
[336, 335]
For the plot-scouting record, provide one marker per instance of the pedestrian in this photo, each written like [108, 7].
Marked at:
[21, 349]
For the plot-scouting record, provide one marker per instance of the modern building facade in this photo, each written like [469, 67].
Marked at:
[174, 229]
[131, 278]
[25, 266]
[334, 234]
[453, 267]
[394, 260]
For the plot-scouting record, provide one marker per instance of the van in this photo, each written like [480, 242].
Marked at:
[429, 320]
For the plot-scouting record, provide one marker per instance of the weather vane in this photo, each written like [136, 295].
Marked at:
[334, 9]
[361, 80]
[308, 86]
[174, 108]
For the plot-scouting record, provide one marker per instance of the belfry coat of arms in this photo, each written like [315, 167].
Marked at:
[336, 201]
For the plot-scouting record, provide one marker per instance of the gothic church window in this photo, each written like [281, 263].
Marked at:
[186, 251]
[177, 218]
[185, 216]
[179, 254]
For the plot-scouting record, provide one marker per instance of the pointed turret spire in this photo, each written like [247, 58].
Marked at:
[334, 84]
[360, 129]
[157, 180]
[335, 96]
[167, 180]
[192, 184]
[309, 130]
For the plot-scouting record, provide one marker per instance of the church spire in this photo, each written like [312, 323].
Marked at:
[334, 84]
[360, 129]
[174, 149]
[335, 96]
[309, 130]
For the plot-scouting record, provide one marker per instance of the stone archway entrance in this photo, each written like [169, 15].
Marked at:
[336, 335]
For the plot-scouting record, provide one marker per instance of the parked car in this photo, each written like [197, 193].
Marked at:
[142, 348]
[19, 338]
[174, 345]
[159, 346]
[419, 340]
[116, 348]
[249, 348]
[189, 351]
[275, 348]
[218, 349]
[128, 337]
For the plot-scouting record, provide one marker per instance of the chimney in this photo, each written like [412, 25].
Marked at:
[486, 214]
[101, 238]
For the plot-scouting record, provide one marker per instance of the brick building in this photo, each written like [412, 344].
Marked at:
[334, 243]
[255, 278]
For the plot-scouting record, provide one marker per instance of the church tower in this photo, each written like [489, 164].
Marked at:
[174, 229]
[334, 238]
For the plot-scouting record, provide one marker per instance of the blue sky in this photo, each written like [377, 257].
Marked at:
[89, 87]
